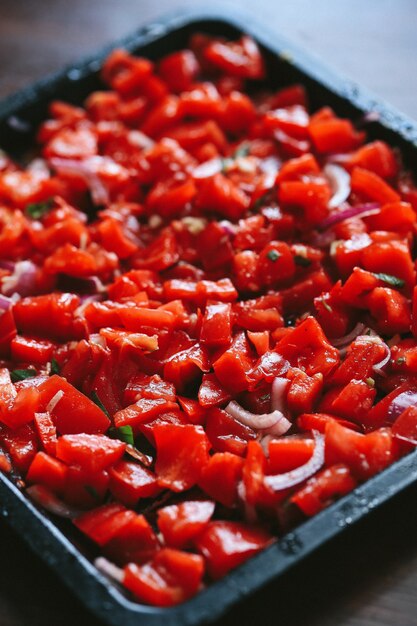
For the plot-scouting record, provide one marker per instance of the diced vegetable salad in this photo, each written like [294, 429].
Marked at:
[208, 314]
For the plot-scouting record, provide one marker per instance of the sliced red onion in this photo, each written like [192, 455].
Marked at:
[264, 441]
[347, 339]
[400, 403]
[278, 395]
[22, 281]
[322, 240]
[87, 170]
[140, 140]
[377, 368]
[270, 166]
[49, 501]
[228, 227]
[5, 303]
[257, 422]
[208, 168]
[39, 167]
[251, 515]
[361, 210]
[7, 265]
[109, 569]
[339, 181]
[278, 482]
[54, 401]
[279, 428]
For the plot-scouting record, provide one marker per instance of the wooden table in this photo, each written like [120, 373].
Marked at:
[368, 577]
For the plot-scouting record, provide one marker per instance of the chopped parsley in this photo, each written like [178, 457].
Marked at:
[393, 281]
[17, 375]
[36, 210]
[303, 261]
[125, 433]
[99, 403]
[55, 369]
[401, 360]
[273, 255]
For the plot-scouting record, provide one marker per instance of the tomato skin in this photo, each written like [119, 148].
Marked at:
[241, 58]
[211, 393]
[276, 263]
[286, 454]
[7, 332]
[50, 316]
[181, 523]
[405, 426]
[25, 349]
[173, 441]
[226, 545]
[46, 432]
[297, 347]
[171, 577]
[47, 471]
[130, 481]
[92, 453]
[179, 70]
[137, 543]
[219, 194]
[365, 455]
[219, 478]
[227, 434]
[372, 186]
[74, 413]
[334, 135]
[216, 328]
[318, 492]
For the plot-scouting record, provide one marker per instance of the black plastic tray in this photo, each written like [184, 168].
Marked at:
[19, 116]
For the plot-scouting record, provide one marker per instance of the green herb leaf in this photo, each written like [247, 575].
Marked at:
[401, 360]
[273, 255]
[36, 210]
[264, 198]
[55, 369]
[125, 433]
[370, 382]
[99, 403]
[16, 375]
[92, 491]
[393, 281]
[242, 151]
[303, 261]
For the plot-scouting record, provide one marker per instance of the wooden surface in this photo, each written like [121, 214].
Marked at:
[369, 576]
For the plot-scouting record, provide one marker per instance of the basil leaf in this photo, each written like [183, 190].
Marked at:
[273, 255]
[99, 403]
[54, 366]
[17, 375]
[303, 261]
[393, 281]
[36, 210]
[125, 433]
